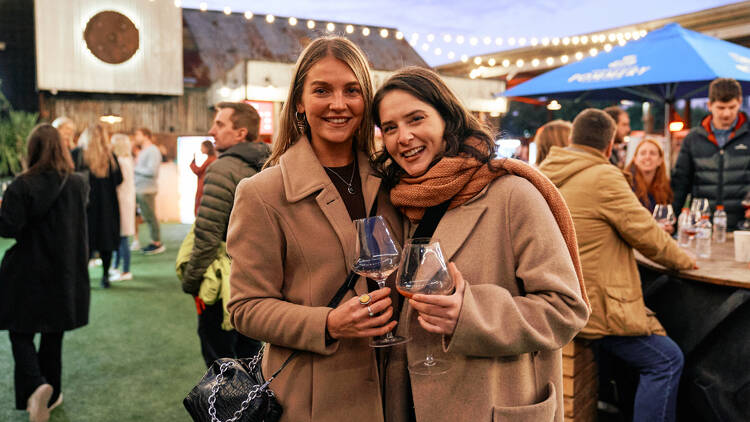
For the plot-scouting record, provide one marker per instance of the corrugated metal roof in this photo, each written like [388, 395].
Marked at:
[214, 43]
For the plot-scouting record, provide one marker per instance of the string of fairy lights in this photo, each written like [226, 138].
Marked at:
[590, 45]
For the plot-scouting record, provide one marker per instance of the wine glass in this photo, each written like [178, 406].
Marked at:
[423, 271]
[745, 223]
[664, 215]
[700, 206]
[376, 256]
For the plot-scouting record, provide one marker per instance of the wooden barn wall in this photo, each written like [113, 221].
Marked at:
[183, 115]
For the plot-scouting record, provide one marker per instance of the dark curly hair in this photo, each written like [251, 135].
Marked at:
[460, 124]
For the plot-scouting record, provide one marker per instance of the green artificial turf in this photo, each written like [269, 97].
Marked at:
[139, 355]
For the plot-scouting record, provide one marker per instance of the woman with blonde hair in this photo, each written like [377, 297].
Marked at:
[519, 294]
[649, 174]
[126, 199]
[291, 238]
[94, 155]
[554, 133]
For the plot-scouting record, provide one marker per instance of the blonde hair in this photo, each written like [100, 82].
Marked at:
[346, 51]
[554, 133]
[97, 152]
[121, 145]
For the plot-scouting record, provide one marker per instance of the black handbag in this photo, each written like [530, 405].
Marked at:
[244, 395]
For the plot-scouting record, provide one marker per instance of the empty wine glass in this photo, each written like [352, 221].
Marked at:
[745, 223]
[423, 271]
[376, 256]
[700, 206]
[664, 215]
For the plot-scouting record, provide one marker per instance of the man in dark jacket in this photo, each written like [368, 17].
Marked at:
[235, 131]
[714, 159]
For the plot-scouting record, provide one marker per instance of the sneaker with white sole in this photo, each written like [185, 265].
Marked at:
[122, 277]
[153, 249]
[57, 402]
[114, 273]
[37, 403]
[135, 245]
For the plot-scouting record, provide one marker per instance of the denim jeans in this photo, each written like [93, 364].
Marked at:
[147, 204]
[659, 362]
[123, 253]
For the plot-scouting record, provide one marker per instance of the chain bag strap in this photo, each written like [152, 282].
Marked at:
[268, 408]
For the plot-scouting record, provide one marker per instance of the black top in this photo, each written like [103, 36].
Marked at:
[340, 176]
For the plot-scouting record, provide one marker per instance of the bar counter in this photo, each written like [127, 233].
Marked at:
[707, 313]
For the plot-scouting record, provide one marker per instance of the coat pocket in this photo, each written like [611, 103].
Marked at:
[537, 412]
[626, 312]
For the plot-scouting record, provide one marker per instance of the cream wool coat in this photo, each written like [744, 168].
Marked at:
[522, 303]
[291, 239]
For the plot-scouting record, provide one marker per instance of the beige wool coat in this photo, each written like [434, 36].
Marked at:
[522, 303]
[291, 239]
[611, 222]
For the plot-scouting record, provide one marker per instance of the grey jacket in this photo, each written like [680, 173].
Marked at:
[236, 163]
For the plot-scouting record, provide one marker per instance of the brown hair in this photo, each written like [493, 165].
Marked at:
[346, 51]
[45, 151]
[554, 133]
[209, 146]
[244, 116]
[659, 188]
[724, 90]
[146, 132]
[97, 151]
[460, 124]
[593, 128]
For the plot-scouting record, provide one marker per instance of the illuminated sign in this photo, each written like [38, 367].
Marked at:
[626, 67]
[265, 109]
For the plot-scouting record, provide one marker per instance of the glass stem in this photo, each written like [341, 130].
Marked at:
[381, 284]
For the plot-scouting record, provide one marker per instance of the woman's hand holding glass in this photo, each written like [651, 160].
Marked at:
[438, 314]
[351, 319]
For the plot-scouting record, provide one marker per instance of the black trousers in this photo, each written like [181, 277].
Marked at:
[217, 343]
[33, 368]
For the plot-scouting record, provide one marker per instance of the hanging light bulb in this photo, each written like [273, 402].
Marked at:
[491, 62]
[366, 31]
[506, 63]
[477, 60]
[464, 58]
[248, 15]
[519, 63]
[227, 10]
[270, 18]
[384, 33]
[310, 24]
[203, 6]
[564, 58]
[399, 35]
[330, 27]
[293, 21]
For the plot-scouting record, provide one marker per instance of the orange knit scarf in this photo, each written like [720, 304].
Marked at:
[461, 178]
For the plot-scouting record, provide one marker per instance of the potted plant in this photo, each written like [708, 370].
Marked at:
[15, 126]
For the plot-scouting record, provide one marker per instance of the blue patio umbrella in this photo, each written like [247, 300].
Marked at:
[667, 64]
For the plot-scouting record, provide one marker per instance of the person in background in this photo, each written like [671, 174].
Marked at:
[146, 172]
[622, 122]
[241, 155]
[207, 148]
[714, 160]
[44, 279]
[648, 174]
[126, 199]
[610, 223]
[554, 133]
[95, 156]
[67, 128]
[506, 320]
[291, 239]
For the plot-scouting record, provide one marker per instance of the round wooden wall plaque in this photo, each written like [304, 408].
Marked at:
[111, 37]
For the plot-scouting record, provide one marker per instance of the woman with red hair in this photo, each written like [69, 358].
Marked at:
[649, 175]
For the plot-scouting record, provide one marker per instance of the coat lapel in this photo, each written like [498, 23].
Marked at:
[304, 175]
[457, 224]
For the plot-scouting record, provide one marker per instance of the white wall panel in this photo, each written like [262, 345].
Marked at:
[64, 63]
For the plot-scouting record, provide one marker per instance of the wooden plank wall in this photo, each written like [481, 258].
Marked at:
[180, 115]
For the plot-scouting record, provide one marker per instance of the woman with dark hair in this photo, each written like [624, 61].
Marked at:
[207, 147]
[649, 175]
[291, 239]
[44, 280]
[518, 295]
[95, 156]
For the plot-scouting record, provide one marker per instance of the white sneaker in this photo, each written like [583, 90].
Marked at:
[122, 277]
[97, 262]
[135, 245]
[37, 404]
[57, 402]
[114, 273]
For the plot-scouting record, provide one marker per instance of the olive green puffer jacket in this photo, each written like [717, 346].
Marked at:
[236, 163]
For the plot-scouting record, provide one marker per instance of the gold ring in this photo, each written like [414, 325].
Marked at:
[369, 311]
[365, 299]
